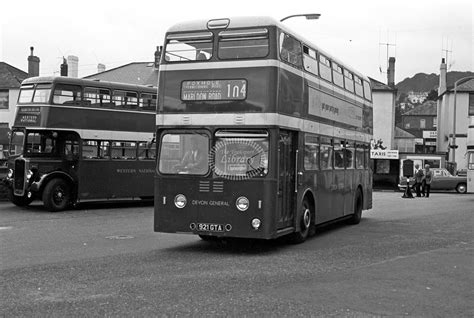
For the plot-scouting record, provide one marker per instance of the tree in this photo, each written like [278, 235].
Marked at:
[432, 95]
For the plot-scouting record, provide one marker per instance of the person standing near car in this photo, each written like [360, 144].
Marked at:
[418, 179]
[427, 181]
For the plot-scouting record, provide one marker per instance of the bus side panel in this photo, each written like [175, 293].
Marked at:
[290, 93]
[131, 178]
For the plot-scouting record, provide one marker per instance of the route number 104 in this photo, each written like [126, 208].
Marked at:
[237, 91]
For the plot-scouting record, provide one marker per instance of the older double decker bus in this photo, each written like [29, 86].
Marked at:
[77, 140]
[261, 133]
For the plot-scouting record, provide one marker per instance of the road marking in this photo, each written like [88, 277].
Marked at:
[6, 227]
[119, 237]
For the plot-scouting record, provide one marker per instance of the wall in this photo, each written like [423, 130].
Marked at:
[8, 115]
[384, 117]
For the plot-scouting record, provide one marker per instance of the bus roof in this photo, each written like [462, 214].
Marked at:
[257, 21]
[86, 82]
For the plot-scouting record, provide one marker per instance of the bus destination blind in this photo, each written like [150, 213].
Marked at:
[214, 90]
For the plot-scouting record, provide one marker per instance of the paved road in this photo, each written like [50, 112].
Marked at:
[408, 257]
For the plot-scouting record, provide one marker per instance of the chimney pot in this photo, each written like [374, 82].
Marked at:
[391, 72]
[33, 64]
[442, 77]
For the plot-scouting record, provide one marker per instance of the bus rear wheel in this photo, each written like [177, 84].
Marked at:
[304, 223]
[356, 217]
[56, 195]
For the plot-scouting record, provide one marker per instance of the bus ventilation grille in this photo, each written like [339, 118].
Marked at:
[217, 186]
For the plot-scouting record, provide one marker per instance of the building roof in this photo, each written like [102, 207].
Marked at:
[467, 86]
[400, 133]
[379, 86]
[428, 108]
[140, 73]
[10, 76]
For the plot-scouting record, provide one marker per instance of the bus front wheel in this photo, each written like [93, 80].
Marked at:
[356, 217]
[305, 220]
[56, 195]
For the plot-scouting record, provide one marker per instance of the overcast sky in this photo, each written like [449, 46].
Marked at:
[120, 32]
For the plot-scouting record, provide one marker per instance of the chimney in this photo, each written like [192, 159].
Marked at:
[63, 69]
[33, 64]
[158, 56]
[72, 62]
[391, 72]
[100, 68]
[442, 77]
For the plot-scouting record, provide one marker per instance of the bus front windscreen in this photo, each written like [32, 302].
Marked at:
[184, 154]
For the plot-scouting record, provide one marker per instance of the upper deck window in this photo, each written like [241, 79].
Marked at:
[241, 44]
[337, 74]
[26, 94]
[310, 60]
[188, 47]
[367, 91]
[42, 93]
[147, 101]
[358, 86]
[97, 96]
[290, 49]
[348, 81]
[67, 94]
[125, 98]
[325, 67]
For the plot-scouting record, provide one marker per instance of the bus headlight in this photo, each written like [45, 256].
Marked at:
[10, 173]
[256, 223]
[29, 174]
[180, 201]
[242, 203]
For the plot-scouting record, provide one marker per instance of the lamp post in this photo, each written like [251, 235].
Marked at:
[308, 16]
[458, 82]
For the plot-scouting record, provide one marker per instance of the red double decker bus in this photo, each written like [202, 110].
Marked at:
[261, 133]
[77, 140]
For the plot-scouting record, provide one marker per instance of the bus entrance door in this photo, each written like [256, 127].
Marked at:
[286, 178]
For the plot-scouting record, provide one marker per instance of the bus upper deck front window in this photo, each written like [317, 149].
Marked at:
[26, 94]
[241, 44]
[42, 93]
[188, 47]
[184, 154]
[241, 154]
[16, 142]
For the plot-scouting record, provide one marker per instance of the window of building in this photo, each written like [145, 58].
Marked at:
[435, 122]
[407, 125]
[4, 99]
[471, 104]
[422, 123]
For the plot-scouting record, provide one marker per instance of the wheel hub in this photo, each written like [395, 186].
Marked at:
[306, 218]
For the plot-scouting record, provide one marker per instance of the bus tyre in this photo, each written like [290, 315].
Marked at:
[355, 219]
[304, 223]
[56, 195]
[461, 188]
[19, 201]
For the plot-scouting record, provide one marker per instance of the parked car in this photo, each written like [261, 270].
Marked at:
[442, 180]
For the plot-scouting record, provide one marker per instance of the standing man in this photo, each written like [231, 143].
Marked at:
[418, 179]
[428, 179]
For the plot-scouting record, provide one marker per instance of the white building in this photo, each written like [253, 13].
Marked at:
[453, 119]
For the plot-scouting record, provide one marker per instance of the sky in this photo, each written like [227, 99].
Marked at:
[419, 32]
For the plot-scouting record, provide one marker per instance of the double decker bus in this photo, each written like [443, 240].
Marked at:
[284, 126]
[77, 140]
